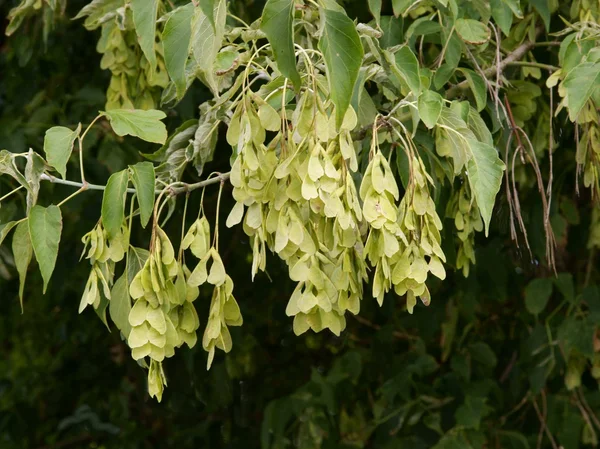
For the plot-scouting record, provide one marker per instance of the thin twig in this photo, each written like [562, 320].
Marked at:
[544, 425]
[174, 189]
[397, 334]
[516, 55]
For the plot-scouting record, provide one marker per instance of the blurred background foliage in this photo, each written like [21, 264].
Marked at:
[474, 369]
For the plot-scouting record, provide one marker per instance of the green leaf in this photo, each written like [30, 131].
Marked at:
[393, 30]
[45, 227]
[484, 170]
[537, 294]
[8, 167]
[400, 6]
[343, 52]
[206, 42]
[22, 252]
[113, 203]
[543, 9]
[579, 85]
[375, 8]
[143, 178]
[564, 283]
[146, 125]
[208, 8]
[144, 19]
[470, 413]
[120, 305]
[478, 87]
[58, 145]
[5, 228]
[430, 107]
[502, 15]
[277, 22]
[408, 67]
[176, 43]
[471, 31]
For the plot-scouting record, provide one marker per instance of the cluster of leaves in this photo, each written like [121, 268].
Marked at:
[364, 153]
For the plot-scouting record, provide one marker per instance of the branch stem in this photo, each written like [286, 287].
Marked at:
[515, 55]
[174, 189]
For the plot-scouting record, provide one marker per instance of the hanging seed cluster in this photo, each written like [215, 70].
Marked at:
[404, 241]
[296, 196]
[162, 317]
[224, 310]
[103, 253]
[463, 209]
[134, 82]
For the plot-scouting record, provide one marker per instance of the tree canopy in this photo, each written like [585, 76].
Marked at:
[300, 224]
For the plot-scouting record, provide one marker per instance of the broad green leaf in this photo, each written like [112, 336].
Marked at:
[564, 283]
[472, 32]
[5, 228]
[120, 305]
[113, 203]
[343, 52]
[375, 8]
[452, 138]
[176, 44]
[8, 167]
[400, 6]
[408, 66]
[144, 19]
[543, 8]
[579, 84]
[502, 15]
[484, 170]
[277, 22]
[143, 178]
[537, 295]
[146, 125]
[206, 42]
[58, 145]
[470, 413]
[430, 107]
[45, 227]
[22, 252]
[478, 87]
[208, 7]
[33, 172]
[393, 30]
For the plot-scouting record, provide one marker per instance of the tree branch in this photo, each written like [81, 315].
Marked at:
[515, 55]
[174, 189]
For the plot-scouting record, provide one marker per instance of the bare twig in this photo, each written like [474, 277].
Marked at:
[544, 425]
[175, 189]
[397, 334]
[515, 55]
